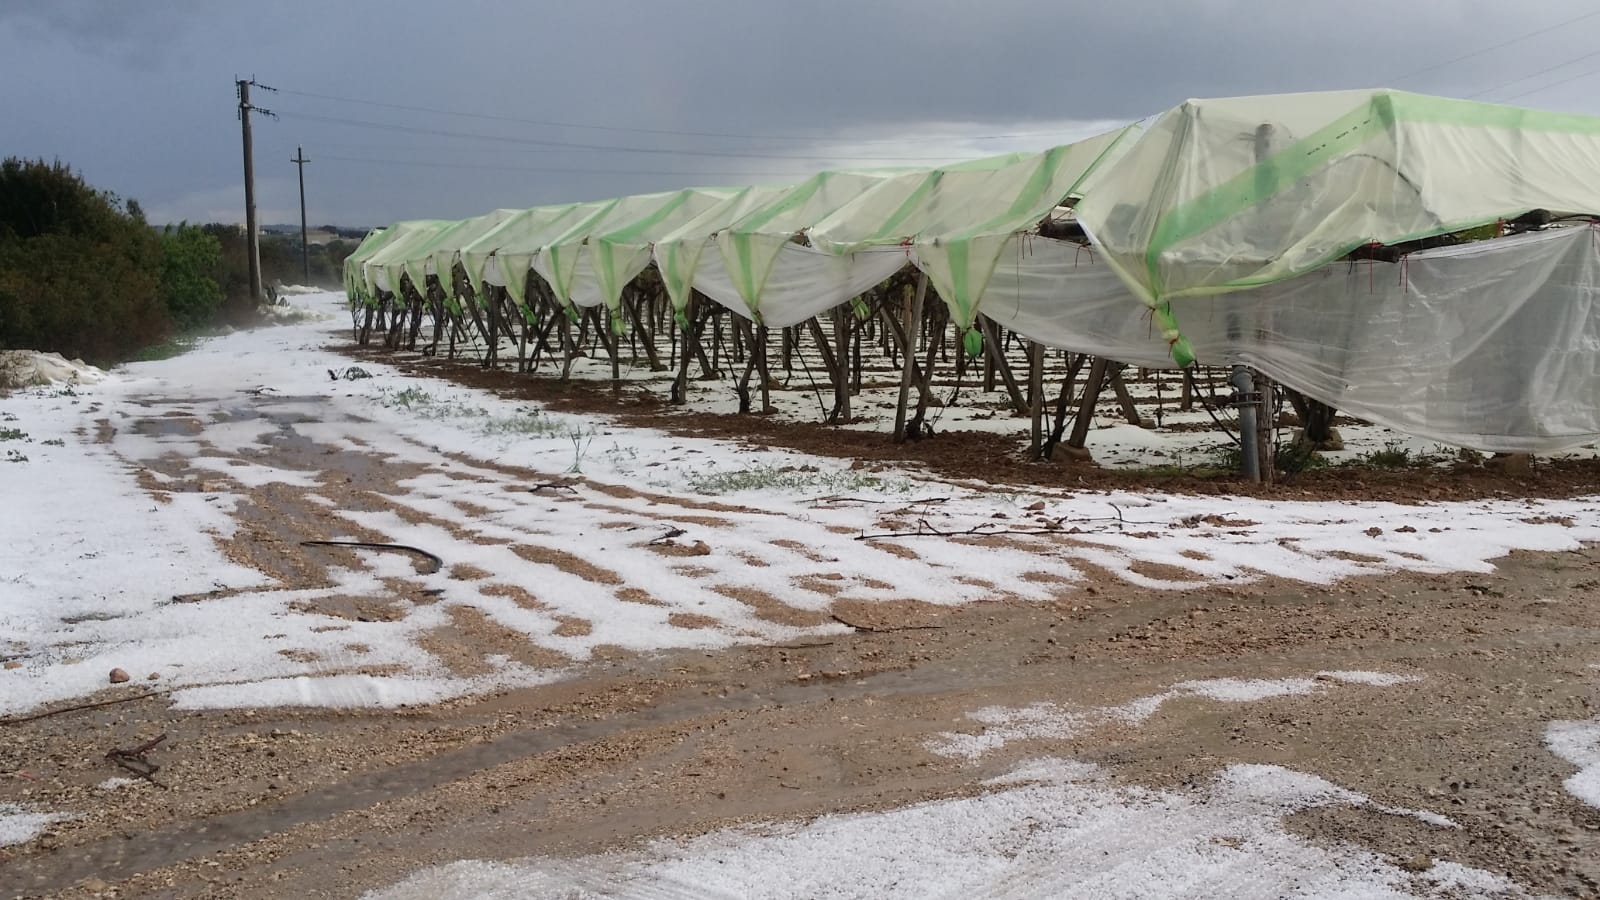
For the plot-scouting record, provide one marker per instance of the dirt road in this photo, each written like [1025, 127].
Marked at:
[326, 804]
[629, 746]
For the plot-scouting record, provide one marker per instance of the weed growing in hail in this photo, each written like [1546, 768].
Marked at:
[423, 405]
[1394, 455]
[790, 478]
[13, 434]
[580, 448]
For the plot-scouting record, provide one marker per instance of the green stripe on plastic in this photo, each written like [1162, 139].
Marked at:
[790, 200]
[1255, 184]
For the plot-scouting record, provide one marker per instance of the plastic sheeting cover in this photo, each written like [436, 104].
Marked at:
[1493, 345]
[1218, 195]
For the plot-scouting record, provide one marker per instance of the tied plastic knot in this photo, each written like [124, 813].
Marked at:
[681, 319]
[860, 308]
[972, 341]
[571, 309]
[616, 325]
[1182, 350]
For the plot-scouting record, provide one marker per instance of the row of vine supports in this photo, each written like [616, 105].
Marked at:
[894, 321]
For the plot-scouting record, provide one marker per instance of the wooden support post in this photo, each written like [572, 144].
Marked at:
[841, 374]
[925, 375]
[528, 322]
[759, 351]
[644, 327]
[568, 349]
[694, 311]
[1266, 424]
[492, 355]
[1124, 401]
[1036, 397]
[1074, 366]
[1091, 396]
[913, 320]
[610, 340]
[741, 385]
[996, 354]
[857, 336]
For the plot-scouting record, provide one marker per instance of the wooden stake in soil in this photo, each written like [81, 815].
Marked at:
[841, 373]
[995, 353]
[913, 319]
[1091, 396]
[1036, 397]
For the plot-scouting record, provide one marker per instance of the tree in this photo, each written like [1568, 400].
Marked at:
[80, 272]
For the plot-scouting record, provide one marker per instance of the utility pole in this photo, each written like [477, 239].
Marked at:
[252, 242]
[305, 251]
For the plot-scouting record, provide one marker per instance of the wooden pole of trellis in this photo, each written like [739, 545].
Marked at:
[1036, 397]
[841, 374]
[908, 357]
[1091, 395]
[996, 354]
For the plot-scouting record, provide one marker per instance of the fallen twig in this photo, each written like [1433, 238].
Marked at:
[1056, 526]
[837, 499]
[438, 563]
[668, 535]
[873, 630]
[18, 720]
[552, 486]
[134, 761]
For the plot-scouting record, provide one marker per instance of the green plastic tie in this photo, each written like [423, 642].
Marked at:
[972, 341]
[1182, 350]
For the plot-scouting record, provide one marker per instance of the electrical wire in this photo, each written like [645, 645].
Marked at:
[1584, 74]
[658, 131]
[573, 145]
[556, 170]
[1544, 71]
[1516, 40]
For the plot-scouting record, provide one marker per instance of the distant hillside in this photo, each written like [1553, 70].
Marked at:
[319, 234]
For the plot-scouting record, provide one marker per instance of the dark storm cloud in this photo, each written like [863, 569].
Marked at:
[139, 96]
[137, 35]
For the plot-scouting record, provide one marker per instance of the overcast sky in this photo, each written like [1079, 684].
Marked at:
[139, 96]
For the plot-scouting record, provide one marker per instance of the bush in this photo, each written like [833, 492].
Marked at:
[191, 259]
[80, 271]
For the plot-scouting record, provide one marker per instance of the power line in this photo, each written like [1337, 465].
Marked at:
[1516, 40]
[544, 123]
[1546, 70]
[571, 145]
[1584, 74]
[560, 170]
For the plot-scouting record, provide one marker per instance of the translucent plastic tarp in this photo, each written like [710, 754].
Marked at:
[355, 276]
[384, 267]
[749, 248]
[802, 282]
[678, 253]
[1218, 195]
[438, 256]
[958, 217]
[513, 244]
[1493, 345]
[593, 262]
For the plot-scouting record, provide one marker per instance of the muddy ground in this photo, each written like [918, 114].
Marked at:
[332, 803]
